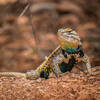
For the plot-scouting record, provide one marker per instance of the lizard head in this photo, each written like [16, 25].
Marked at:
[69, 40]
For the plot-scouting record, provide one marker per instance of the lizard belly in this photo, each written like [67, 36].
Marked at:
[64, 67]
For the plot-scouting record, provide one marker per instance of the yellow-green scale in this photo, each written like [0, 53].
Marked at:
[47, 66]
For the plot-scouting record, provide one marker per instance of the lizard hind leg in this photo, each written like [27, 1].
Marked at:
[33, 74]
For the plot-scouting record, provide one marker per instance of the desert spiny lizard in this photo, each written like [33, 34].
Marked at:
[62, 59]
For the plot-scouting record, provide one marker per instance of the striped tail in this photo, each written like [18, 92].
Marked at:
[12, 74]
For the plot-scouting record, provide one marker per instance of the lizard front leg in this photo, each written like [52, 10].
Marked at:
[88, 65]
[56, 61]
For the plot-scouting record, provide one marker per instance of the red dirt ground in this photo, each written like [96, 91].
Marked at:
[69, 87]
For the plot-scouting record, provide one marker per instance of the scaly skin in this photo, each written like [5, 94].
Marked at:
[62, 59]
[11, 74]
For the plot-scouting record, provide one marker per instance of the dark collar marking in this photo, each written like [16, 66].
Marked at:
[79, 51]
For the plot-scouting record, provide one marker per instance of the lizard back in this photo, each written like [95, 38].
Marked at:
[48, 63]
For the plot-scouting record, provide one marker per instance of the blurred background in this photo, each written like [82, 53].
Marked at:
[22, 49]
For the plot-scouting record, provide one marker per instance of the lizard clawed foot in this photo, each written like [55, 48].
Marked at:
[95, 73]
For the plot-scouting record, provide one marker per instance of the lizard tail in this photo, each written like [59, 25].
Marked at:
[12, 74]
